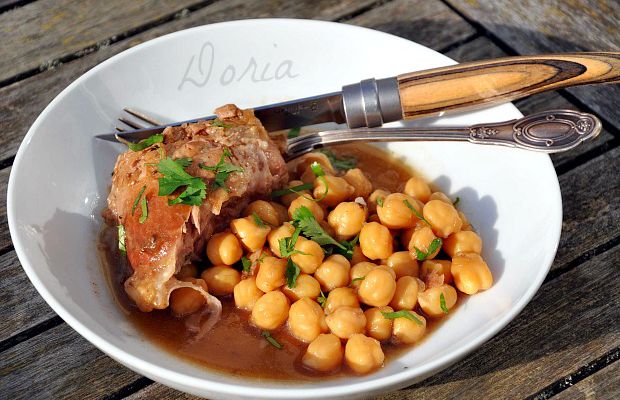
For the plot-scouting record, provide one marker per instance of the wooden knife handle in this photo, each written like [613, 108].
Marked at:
[483, 83]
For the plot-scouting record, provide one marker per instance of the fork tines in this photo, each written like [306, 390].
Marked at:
[127, 120]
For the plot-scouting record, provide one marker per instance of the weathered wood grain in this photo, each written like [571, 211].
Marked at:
[482, 48]
[38, 34]
[22, 307]
[536, 349]
[554, 26]
[604, 384]
[57, 364]
[430, 23]
[19, 107]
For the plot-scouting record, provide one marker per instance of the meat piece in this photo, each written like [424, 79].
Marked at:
[172, 235]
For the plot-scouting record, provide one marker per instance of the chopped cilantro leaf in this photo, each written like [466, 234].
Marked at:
[246, 263]
[359, 279]
[121, 239]
[442, 303]
[222, 169]
[321, 299]
[293, 189]
[380, 201]
[272, 341]
[416, 212]
[144, 209]
[320, 174]
[293, 133]
[402, 314]
[144, 143]
[341, 163]
[137, 200]
[174, 177]
[348, 247]
[457, 201]
[217, 122]
[309, 226]
[258, 221]
[435, 244]
[291, 273]
[287, 245]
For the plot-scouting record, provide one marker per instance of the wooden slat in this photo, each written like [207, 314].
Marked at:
[591, 197]
[605, 384]
[554, 335]
[22, 307]
[19, 108]
[57, 364]
[40, 33]
[422, 21]
[482, 48]
[553, 26]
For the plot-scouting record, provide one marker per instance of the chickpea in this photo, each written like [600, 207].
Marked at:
[281, 212]
[471, 274]
[443, 217]
[395, 212]
[270, 310]
[377, 288]
[265, 211]
[347, 219]
[440, 196]
[376, 241]
[251, 235]
[304, 162]
[418, 189]
[340, 297]
[221, 279]
[358, 256]
[438, 267]
[356, 178]
[305, 286]
[185, 300]
[333, 272]
[308, 176]
[338, 190]
[421, 239]
[374, 198]
[306, 320]
[430, 300]
[466, 225]
[363, 354]
[327, 227]
[246, 293]
[187, 271]
[377, 326]
[403, 264]
[406, 331]
[462, 242]
[406, 294]
[312, 255]
[271, 274]
[275, 235]
[224, 248]
[287, 199]
[346, 321]
[360, 270]
[314, 208]
[324, 353]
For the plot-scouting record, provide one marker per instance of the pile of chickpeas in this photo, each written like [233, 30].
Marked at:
[338, 305]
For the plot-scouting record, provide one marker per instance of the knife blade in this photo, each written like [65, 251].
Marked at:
[371, 102]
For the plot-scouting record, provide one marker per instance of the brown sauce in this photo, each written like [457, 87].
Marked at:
[233, 346]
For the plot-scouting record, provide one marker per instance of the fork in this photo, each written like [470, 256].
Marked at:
[548, 131]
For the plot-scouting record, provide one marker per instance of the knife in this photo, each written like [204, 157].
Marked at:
[373, 102]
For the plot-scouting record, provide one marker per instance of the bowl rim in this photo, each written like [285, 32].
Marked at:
[162, 374]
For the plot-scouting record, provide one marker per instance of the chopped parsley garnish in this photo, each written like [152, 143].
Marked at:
[361, 278]
[144, 209]
[272, 341]
[217, 122]
[416, 212]
[175, 177]
[222, 169]
[293, 133]
[293, 189]
[435, 244]
[380, 201]
[137, 200]
[348, 247]
[442, 303]
[341, 163]
[246, 264]
[402, 314]
[291, 273]
[321, 299]
[457, 201]
[121, 239]
[287, 245]
[258, 221]
[144, 143]
[309, 226]
[320, 174]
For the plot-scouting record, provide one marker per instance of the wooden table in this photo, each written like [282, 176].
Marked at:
[565, 343]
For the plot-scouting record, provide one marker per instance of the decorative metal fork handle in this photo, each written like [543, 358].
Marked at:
[550, 132]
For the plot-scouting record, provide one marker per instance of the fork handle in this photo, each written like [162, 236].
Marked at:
[481, 83]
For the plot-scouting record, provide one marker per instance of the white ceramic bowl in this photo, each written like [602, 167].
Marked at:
[61, 175]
